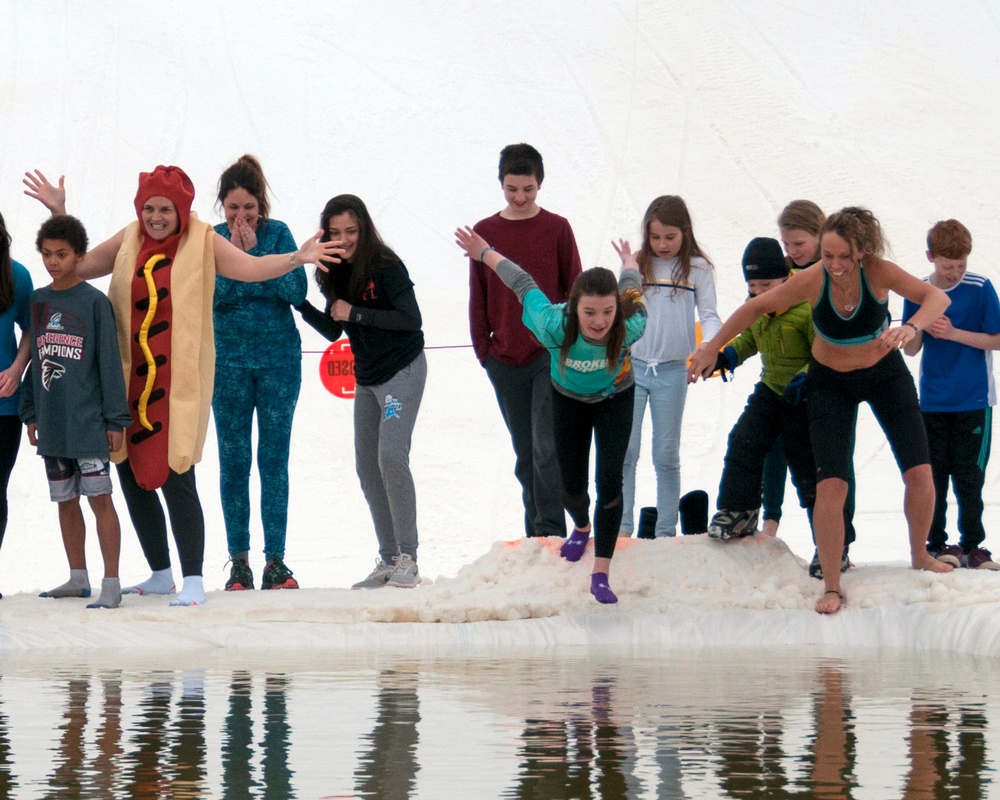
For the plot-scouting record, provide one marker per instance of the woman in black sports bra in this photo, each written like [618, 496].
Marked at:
[855, 358]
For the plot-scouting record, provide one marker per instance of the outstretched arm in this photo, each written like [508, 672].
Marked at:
[476, 248]
[231, 262]
[932, 302]
[100, 260]
[799, 287]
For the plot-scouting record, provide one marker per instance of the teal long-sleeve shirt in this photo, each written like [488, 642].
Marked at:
[585, 376]
[254, 324]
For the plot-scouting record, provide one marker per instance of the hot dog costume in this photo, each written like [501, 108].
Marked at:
[162, 292]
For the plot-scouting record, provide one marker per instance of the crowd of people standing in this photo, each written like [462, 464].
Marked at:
[203, 320]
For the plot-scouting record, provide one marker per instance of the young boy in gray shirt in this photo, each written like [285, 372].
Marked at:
[74, 404]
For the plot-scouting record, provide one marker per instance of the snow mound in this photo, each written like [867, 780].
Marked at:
[687, 592]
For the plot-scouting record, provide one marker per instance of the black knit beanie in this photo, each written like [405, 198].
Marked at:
[764, 260]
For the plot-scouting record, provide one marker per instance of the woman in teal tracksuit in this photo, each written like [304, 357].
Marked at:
[258, 369]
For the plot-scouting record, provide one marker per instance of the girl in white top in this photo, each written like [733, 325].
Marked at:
[677, 280]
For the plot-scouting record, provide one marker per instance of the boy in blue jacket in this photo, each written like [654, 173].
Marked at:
[957, 393]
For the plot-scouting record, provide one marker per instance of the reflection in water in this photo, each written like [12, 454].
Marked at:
[832, 774]
[582, 755]
[237, 746]
[597, 727]
[930, 731]
[238, 751]
[388, 763]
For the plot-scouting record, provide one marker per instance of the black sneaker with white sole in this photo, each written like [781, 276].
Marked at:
[726, 525]
[816, 571]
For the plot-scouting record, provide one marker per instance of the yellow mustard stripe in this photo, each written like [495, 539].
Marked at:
[147, 271]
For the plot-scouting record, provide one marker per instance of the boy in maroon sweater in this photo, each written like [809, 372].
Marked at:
[542, 244]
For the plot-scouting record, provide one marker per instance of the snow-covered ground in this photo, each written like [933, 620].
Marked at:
[737, 106]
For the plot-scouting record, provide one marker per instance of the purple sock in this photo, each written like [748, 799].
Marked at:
[573, 547]
[601, 590]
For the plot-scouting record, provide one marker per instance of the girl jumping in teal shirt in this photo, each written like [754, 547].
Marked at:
[588, 340]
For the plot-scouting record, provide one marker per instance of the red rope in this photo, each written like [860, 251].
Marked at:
[426, 347]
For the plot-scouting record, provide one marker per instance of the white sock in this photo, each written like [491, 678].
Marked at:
[111, 594]
[160, 582]
[78, 585]
[192, 593]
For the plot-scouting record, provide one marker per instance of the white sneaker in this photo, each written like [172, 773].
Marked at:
[406, 573]
[379, 576]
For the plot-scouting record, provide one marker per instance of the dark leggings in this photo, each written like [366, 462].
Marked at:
[10, 442]
[833, 407]
[186, 519]
[772, 493]
[609, 424]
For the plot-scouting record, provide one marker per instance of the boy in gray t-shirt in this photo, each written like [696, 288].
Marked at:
[74, 404]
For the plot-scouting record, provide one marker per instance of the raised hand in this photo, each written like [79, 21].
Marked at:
[624, 250]
[52, 197]
[315, 251]
[471, 242]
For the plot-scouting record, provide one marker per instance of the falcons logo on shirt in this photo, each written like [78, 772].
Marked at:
[50, 371]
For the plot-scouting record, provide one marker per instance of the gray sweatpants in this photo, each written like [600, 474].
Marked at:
[384, 416]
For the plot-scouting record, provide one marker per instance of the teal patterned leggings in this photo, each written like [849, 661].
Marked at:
[271, 393]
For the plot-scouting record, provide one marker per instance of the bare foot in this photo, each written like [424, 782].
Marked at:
[770, 527]
[927, 562]
[831, 602]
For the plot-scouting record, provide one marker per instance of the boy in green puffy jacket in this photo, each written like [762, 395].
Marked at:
[775, 408]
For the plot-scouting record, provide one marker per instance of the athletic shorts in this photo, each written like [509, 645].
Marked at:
[833, 401]
[76, 477]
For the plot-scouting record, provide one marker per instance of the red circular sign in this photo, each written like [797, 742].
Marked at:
[336, 369]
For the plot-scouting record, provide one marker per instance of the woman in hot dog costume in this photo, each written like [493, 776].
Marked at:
[163, 269]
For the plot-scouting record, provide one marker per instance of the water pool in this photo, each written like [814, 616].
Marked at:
[580, 723]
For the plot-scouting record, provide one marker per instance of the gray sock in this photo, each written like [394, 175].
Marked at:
[111, 594]
[78, 585]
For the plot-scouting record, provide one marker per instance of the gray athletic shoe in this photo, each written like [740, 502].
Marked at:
[379, 576]
[406, 573]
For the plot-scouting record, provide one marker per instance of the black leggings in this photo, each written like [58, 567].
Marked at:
[186, 519]
[833, 404]
[609, 423]
[10, 442]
